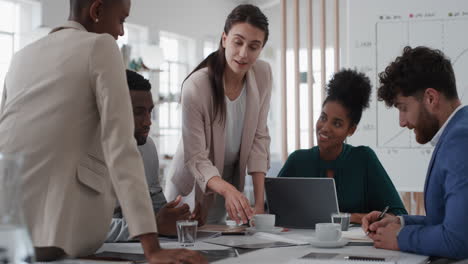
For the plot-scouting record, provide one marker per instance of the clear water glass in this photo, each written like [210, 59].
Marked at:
[15, 242]
[342, 219]
[187, 232]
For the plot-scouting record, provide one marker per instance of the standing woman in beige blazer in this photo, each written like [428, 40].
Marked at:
[225, 103]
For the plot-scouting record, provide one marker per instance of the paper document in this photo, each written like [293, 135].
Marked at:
[201, 235]
[258, 240]
[120, 257]
[356, 234]
[317, 258]
[280, 238]
[224, 229]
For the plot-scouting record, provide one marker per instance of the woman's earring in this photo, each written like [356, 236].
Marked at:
[97, 20]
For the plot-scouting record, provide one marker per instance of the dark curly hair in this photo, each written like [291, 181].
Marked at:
[351, 89]
[413, 72]
[136, 82]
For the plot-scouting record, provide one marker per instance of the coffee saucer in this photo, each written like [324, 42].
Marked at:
[274, 230]
[328, 244]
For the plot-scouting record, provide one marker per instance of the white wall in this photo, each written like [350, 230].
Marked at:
[198, 19]
[204, 19]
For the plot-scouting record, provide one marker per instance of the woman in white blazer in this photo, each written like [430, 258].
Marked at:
[66, 109]
[225, 103]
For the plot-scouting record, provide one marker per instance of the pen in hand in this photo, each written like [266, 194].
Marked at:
[381, 216]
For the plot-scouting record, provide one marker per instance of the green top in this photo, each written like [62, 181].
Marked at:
[362, 184]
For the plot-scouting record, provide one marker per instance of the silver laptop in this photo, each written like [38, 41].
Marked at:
[301, 202]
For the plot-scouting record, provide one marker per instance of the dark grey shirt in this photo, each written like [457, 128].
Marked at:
[119, 228]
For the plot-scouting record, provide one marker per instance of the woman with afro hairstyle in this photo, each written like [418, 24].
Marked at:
[362, 184]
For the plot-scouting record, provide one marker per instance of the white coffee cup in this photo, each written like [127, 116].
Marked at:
[264, 222]
[328, 231]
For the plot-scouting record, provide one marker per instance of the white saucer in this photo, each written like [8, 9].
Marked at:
[275, 230]
[328, 244]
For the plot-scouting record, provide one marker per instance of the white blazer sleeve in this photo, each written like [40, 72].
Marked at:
[120, 150]
[4, 96]
[259, 158]
[195, 121]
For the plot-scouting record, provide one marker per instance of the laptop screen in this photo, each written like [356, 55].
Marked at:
[301, 202]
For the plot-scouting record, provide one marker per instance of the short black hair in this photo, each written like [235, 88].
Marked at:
[351, 89]
[137, 82]
[80, 3]
[414, 71]
[77, 5]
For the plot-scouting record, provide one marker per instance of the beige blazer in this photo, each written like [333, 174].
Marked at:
[66, 109]
[200, 155]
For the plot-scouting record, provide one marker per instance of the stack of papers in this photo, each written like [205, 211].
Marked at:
[224, 229]
[256, 241]
[356, 234]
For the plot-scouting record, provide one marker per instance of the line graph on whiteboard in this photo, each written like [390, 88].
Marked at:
[391, 37]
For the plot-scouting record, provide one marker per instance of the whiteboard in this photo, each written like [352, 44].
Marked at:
[376, 32]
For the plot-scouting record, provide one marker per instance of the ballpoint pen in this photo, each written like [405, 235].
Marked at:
[364, 258]
[381, 216]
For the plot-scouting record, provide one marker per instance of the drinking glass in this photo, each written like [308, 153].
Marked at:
[342, 219]
[15, 242]
[187, 232]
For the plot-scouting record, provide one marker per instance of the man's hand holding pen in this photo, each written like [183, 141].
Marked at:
[371, 220]
[382, 229]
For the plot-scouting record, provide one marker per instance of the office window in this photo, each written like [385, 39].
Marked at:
[135, 36]
[18, 22]
[6, 52]
[8, 18]
[304, 94]
[177, 65]
[8, 24]
[209, 47]
[123, 40]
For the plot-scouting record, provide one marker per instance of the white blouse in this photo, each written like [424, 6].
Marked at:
[235, 112]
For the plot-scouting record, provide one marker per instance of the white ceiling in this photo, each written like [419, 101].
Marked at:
[263, 4]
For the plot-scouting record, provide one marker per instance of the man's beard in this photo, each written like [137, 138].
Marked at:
[426, 127]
